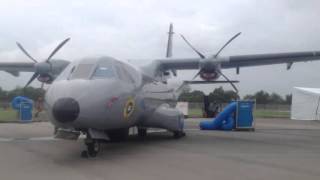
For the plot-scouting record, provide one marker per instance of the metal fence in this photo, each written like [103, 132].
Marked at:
[5, 105]
[274, 107]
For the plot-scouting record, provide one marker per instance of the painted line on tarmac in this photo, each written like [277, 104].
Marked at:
[163, 130]
[49, 138]
[195, 129]
[6, 139]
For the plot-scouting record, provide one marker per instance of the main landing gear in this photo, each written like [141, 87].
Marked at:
[142, 132]
[178, 134]
[93, 142]
[93, 145]
[93, 148]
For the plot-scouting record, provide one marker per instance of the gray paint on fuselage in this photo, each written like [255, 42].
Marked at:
[93, 96]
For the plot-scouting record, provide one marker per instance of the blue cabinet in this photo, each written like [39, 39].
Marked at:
[244, 117]
[26, 111]
[23, 106]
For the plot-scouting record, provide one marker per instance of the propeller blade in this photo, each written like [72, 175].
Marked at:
[234, 86]
[226, 44]
[57, 49]
[25, 52]
[193, 48]
[196, 75]
[34, 76]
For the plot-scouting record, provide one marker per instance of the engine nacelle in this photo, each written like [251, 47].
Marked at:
[209, 76]
[210, 72]
[45, 78]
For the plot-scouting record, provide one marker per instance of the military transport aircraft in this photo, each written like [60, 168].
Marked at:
[102, 97]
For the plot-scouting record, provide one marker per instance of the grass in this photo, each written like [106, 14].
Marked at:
[259, 113]
[271, 114]
[195, 113]
[8, 115]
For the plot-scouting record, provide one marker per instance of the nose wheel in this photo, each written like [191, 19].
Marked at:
[93, 148]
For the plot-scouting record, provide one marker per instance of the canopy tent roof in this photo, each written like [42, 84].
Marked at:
[311, 90]
[305, 103]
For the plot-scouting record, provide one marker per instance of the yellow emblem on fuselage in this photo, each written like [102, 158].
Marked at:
[128, 108]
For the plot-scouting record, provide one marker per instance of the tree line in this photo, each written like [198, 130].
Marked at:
[220, 95]
[30, 92]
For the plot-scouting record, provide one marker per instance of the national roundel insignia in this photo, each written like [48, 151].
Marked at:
[128, 108]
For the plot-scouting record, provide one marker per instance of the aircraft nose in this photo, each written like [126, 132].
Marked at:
[66, 110]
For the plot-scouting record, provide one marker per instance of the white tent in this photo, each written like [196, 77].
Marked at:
[305, 103]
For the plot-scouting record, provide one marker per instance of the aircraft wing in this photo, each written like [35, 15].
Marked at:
[15, 67]
[267, 59]
[240, 60]
[179, 64]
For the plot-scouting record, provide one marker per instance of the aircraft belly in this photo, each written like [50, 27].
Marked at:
[157, 94]
[164, 117]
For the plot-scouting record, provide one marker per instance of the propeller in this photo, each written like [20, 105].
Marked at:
[34, 76]
[215, 56]
[195, 76]
[225, 77]
[57, 49]
[193, 48]
[226, 44]
[47, 61]
[26, 52]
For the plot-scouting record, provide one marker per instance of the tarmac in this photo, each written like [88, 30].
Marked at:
[278, 149]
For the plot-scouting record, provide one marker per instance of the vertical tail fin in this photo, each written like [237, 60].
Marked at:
[169, 45]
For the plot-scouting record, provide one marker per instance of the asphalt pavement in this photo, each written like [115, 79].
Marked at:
[278, 149]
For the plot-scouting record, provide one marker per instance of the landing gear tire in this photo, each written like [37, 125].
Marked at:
[93, 148]
[142, 132]
[178, 134]
[55, 131]
[118, 135]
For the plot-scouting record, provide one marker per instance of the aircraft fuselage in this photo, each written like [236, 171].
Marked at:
[104, 94]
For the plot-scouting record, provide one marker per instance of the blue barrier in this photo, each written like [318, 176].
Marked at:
[223, 121]
[236, 115]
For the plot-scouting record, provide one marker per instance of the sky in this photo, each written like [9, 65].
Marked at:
[137, 29]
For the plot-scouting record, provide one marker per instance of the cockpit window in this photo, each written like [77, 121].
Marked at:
[103, 72]
[82, 71]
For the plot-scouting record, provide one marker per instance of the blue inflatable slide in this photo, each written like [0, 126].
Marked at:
[16, 102]
[223, 121]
